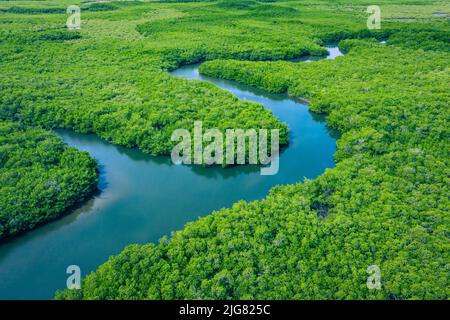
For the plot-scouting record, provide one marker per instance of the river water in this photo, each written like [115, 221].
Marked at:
[143, 198]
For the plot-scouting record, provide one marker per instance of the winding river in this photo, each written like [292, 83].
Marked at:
[143, 198]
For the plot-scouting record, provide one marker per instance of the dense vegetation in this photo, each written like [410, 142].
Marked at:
[386, 202]
[40, 177]
[71, 80]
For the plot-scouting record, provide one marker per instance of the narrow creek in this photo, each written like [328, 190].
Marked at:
[143, 198]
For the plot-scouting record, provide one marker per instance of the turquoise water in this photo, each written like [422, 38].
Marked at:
[142, 197]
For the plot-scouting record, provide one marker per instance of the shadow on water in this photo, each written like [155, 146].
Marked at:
[143, 197]
[135, 155]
